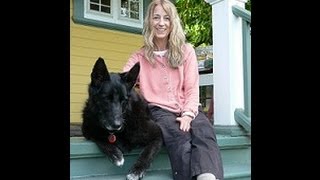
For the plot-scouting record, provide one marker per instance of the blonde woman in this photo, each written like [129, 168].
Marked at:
[169, 81]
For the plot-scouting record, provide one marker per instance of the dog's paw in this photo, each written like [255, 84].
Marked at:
[133, 176]
[118, 161]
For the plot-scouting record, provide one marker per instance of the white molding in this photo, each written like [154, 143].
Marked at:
[243, 1]
[212, 2]
[228, 66]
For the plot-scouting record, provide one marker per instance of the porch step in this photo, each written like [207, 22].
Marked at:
[87, 161]
[150, 175]
[232, 172]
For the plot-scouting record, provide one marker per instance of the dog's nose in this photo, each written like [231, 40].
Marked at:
[117, 125]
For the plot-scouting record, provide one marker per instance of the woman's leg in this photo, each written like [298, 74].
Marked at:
[177, 143]
[205, 153]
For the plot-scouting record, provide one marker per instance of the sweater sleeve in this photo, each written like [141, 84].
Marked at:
[133, 59]
[191, 81]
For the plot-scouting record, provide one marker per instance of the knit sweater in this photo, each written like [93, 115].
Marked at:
[176, 90]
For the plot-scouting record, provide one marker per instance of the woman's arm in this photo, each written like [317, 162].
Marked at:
[191, 82]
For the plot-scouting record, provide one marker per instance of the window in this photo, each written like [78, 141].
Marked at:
[124, 12]
[126, 15]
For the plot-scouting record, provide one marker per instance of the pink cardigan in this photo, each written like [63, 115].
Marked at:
[176, 90]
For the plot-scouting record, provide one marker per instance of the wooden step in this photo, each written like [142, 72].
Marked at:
[231, 171]
[87, 161]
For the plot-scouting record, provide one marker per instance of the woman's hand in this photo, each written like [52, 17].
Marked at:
[185, 123]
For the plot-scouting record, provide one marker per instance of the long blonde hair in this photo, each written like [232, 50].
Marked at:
[176, 37]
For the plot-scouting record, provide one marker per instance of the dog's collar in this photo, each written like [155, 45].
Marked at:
[112, 138]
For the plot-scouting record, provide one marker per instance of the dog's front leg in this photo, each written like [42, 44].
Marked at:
[113, 152]
[145, 158]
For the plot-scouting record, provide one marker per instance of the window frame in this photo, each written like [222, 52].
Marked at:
[81, 15]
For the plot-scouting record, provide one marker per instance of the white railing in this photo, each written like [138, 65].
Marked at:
[243, 115]
[231, 89]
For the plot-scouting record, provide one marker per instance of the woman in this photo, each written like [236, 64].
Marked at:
[169, 81]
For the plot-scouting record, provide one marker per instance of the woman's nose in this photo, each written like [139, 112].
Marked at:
[161, 22]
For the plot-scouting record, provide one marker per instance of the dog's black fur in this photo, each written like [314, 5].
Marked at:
[114, 107]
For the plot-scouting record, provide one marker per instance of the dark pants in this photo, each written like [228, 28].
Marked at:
[191, 153]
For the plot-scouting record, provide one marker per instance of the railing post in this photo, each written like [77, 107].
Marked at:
[228, 64]
[247, 68]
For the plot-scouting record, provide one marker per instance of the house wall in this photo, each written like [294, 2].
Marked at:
[87, 43]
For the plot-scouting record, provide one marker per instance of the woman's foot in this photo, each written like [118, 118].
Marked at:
[206, 176]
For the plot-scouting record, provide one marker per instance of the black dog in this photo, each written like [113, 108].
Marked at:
[117, 118]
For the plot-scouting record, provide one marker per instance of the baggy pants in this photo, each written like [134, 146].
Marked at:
[190, 153]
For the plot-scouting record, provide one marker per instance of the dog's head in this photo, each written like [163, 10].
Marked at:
[109, 94]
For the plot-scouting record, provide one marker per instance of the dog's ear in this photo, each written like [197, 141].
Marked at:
[131, 76]
[99, 73]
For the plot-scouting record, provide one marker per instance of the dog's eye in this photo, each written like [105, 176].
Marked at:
[107, 98]
[124, 101]
[110, 97]
[123, 98]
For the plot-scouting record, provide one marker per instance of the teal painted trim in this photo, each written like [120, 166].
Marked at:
[227, 142]
[229, 130]
[150, 175]
[78, 17]
[235, 153]
[241, 12]
[145, 7]
[232, 172]
[242, 175]
[242, 119]
[82, 148]
[246, 44]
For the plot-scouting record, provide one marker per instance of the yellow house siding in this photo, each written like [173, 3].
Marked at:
[87, 43]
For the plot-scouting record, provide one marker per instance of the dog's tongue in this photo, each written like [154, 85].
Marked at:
[112, 138]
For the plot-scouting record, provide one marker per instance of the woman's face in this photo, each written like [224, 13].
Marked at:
[161, 23]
